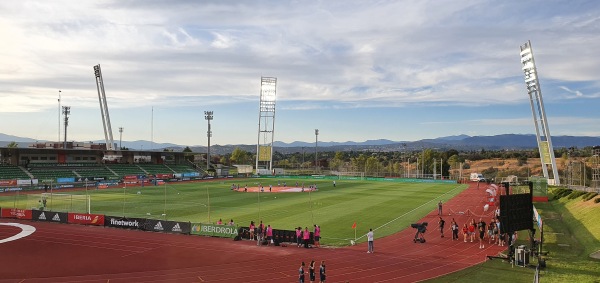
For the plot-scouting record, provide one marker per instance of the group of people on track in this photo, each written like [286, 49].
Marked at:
[311, 272]
[303, 237]
[261, 233]
[475, 230]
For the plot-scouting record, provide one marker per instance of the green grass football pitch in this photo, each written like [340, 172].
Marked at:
[387, 207]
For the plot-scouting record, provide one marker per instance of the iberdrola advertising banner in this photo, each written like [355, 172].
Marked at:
[213, 230]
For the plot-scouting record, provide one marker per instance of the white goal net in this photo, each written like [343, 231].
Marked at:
[60, 202]
[349, 175]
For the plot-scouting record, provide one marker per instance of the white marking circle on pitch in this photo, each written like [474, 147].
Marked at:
[26, 230]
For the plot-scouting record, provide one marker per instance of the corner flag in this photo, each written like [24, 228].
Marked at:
[354, 225]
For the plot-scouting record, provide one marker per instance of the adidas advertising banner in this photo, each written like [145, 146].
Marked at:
[16, 213]
[86, 219]
[167, 226]
[213, 230]
[122, 222]
[50, 216]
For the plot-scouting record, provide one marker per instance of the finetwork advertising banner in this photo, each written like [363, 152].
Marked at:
[123, 222]
[213, 230]
[40, 215]
[86, 219]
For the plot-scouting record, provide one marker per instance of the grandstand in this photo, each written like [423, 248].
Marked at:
[12, 172]
[126, 169]
[51, 163]
[50, 171]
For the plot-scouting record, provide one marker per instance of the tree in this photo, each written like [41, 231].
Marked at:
[239, 156]
[12, 145]
[371, 165]
[189, 157]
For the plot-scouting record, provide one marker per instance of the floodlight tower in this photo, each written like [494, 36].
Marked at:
[66, 110]
[120, 137]
[266, 123]
[316, 150]
[542, 131]
[108, 136]
[59, 116]
[208, 115]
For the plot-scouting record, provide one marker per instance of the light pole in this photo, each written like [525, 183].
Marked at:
[302, 157]
[59, 116]
[316, 150]
[208, 115]
[120, 137]
[66, 112]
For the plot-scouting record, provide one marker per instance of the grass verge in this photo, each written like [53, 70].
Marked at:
[571, 233]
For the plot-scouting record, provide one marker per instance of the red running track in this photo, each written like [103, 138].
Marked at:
[76, 253]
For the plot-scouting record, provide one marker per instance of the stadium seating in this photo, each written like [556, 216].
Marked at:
[126, 169]
[183, 168]
[156, 169]
[10, 172]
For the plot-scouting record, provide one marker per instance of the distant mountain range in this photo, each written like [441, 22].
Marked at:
[459, 142]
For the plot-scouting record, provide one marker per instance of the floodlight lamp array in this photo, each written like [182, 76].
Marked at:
[97, 71]
[208, 115]
[268, 89]
[529, 68]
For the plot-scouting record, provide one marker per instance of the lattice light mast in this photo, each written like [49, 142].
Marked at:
[120, 137]
[66, 110]
[316, 150]
[266, 124]
[542, 131]
[108, 136]
[208, 115]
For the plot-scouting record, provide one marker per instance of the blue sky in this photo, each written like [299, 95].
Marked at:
[356, 70]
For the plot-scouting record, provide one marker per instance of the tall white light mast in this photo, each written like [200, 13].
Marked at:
[108, 136]
[266, 124]
[542, 131]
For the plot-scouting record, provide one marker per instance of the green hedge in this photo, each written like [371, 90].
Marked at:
[576, 194]
[589, 196]
[561, 192]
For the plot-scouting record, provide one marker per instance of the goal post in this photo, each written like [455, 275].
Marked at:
[60, 202]
[350, 175]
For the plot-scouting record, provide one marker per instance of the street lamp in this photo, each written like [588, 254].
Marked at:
[316, 150]
[208, 115]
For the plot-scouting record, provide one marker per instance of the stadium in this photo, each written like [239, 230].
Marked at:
[148, 216]
[98, 212]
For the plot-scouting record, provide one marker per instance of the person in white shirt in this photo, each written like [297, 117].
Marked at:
[370, 241]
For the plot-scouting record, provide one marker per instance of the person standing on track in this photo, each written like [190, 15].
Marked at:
[311, 272]
[472, 230]
[301, 273]
[465, 231]
[317, 235]
[371, 248]
[251, 228]
[306, 237]
[299, 236]
[454, 230]
[481, 230]
[440, 208]
[269, 235]
[322, 275]
[441, 223]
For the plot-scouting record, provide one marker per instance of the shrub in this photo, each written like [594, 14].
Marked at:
[562, 192]
[576, 194]
[597, 200]
[589, 196]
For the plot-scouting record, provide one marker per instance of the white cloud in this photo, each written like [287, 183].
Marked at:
[326, 54]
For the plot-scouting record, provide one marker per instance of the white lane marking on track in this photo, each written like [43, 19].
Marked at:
[26, 230]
